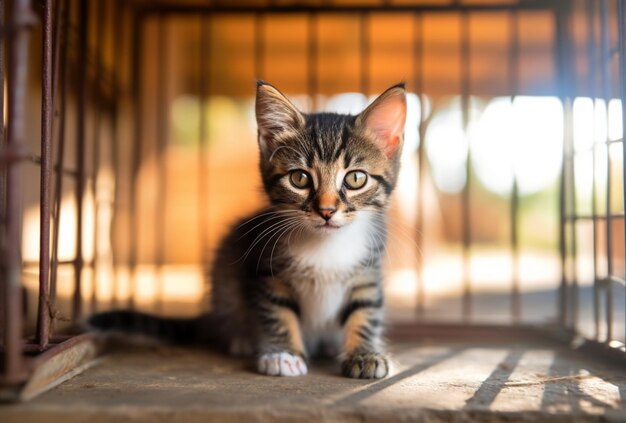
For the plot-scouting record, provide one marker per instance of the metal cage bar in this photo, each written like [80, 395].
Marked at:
[203, 141]
[621, 16]
[137, 87]
[21, 19]
[560, 60]
[591, 57]
[466, 217]
[604, 49]
[516, 306]
[162, 141]
[418, 53]
[97, 135]
[47, 108]
[62, 81]
[81, 105]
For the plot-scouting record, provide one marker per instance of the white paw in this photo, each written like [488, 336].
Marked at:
[281, 364]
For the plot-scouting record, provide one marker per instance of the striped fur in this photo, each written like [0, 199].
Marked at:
[304, 275]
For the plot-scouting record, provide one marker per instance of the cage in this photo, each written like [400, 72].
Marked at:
[129, 146]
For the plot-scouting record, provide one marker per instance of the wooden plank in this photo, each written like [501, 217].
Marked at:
[55, 366]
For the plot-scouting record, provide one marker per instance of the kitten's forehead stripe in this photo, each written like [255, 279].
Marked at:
[341, 147]
[330, 134]
[347, 159]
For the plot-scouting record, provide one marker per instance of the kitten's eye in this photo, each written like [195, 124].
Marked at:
[300, 179]
[355, 179]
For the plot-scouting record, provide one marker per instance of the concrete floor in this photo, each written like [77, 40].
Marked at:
[431, 382]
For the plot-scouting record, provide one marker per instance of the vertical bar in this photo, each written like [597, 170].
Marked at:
[621, 16]
[591, 55]
[419, 88]
[81, 105]
[62, 45]
[118, 29]
[606, 90]
[560, 54]
[364, 48]
[97, 124]
[312, 53]
[466, 197]
[2, 78]
[573, 222]
[3, 175]
[21, 18]
[203, 172]
[162, 136]
[513, 81]
[136, 153]
[43, 311]
[567, 90]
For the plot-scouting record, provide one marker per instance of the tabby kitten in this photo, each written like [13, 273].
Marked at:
[304, 275]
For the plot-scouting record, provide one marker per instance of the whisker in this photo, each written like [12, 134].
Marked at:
[267, 231]
[275, 212]
[261, 223]
[290, 229]
[262, 235]
[279, 231]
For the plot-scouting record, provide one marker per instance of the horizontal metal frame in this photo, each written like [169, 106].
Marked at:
[383, 7]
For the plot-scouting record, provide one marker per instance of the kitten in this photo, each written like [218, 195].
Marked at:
[304, 276]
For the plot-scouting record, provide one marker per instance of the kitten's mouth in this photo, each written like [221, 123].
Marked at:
[328, 226]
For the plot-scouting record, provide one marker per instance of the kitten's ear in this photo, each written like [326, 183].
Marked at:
[275, 115]
[385, 118]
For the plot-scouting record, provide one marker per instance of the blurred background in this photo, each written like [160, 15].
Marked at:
[510, 205]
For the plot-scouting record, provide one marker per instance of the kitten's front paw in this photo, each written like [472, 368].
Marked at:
[365, 366]
[281, 364]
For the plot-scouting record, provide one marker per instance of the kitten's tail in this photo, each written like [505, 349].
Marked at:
[194, 331]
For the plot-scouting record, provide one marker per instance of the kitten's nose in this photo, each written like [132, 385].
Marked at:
[327, 212]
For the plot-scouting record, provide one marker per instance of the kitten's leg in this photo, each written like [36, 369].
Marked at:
[362, 355]
[282, 352]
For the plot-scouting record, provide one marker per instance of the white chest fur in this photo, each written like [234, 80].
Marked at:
[329, 260]
[338, 252]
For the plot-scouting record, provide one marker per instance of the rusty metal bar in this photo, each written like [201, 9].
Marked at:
[560, 36]
[3, 177]
[162, 138]
[81, 108]
[516, 309]
[47, 109]
[118, 29]
[62, 47]
[574, 297]
[447, 7]
[591, 54]
[21, 20]
[569, 171]
[136, 152]
[203, 141]
[621, 16]
[418, 61]
[466, 195]
[97, 125]
[606, 93]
